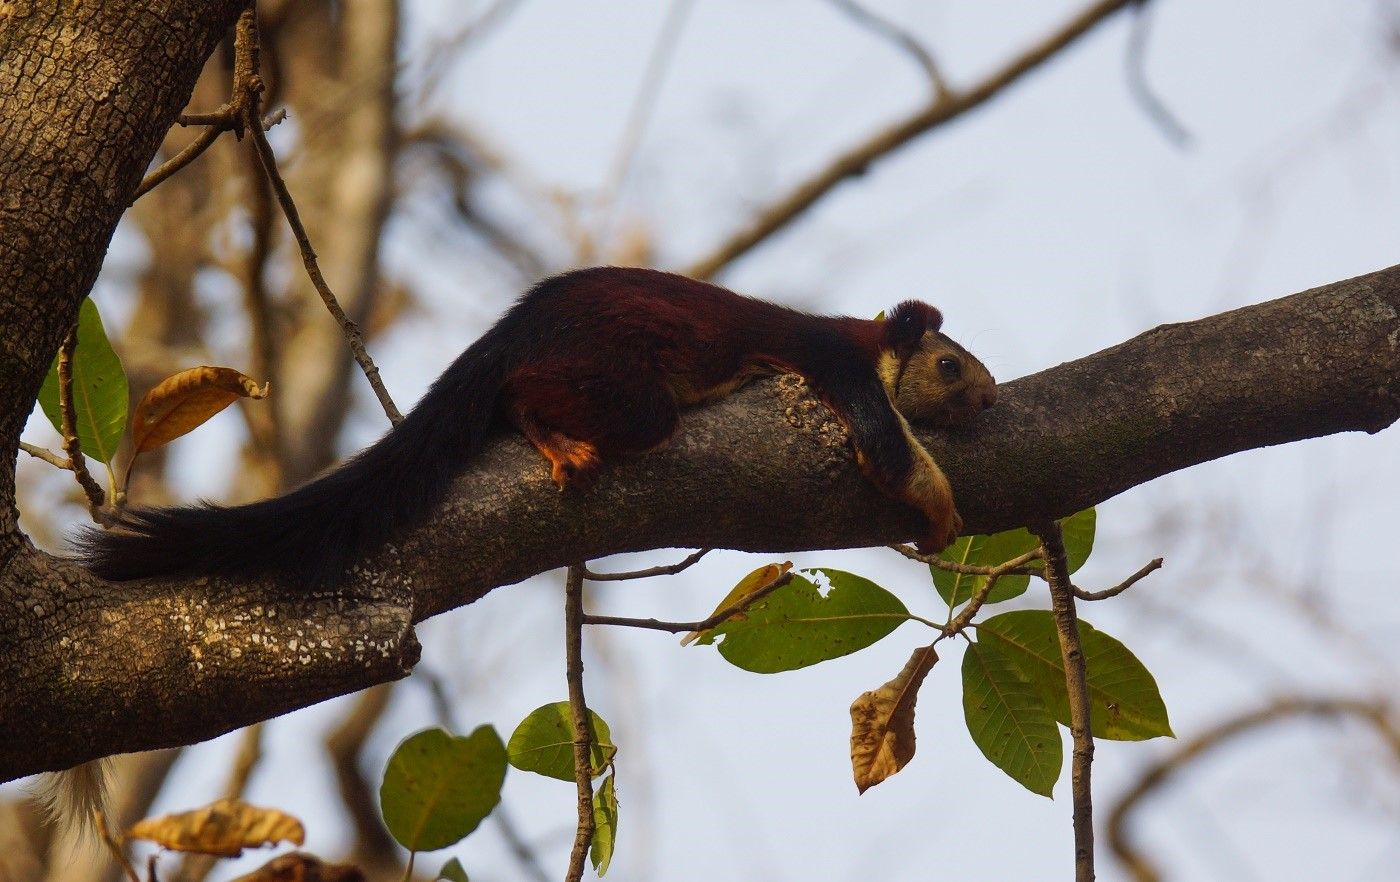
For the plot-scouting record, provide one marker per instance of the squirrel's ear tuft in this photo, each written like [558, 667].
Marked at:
[906, 323]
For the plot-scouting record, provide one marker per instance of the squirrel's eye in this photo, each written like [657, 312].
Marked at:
[950, 368]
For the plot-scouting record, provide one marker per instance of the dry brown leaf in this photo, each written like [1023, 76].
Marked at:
[182, 402]
[300, 867]
[882, 722]
[748, 586]
[222, 828]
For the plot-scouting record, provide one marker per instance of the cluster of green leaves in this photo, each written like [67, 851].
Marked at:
[101, 398]
[439, 787]
[1013, 674]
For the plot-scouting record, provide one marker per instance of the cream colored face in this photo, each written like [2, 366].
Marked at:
[941, 384]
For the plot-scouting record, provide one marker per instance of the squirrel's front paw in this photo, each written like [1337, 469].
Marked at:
[942, 533]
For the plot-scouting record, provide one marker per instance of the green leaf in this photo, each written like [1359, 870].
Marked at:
[1008, 720]
[983, 551]
[798, 625]
[438, 787]
[604, 825]
[544, 743]
[452, 871]
[1078, 530]
[1124, 703]
[100, 396]
[997, 548]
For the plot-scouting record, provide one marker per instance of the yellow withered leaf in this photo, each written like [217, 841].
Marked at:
[882, 722]
[748, 586]
[222, 828]
[182, 402]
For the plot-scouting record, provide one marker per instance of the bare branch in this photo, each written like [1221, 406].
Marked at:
[934, 560]
[440, 55]
[47, 456]
[644, 104]
[114, 847]
[715, 620]
[858, 159]
[191, 152]
[246, 48]
[901, 38]
[664, 570]
[1077, 686]
[524, 855]
[196, 867]
[345, 747]
[1135, 69]
[1154, 564]
[1377, 714]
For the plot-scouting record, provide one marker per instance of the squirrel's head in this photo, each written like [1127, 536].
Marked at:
[931, 379]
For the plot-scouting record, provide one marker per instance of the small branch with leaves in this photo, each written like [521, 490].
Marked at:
[69, 428]
[241, 114]
[1077, 691]
[578, 707]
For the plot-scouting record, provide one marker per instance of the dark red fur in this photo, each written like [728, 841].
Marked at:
[590, 365]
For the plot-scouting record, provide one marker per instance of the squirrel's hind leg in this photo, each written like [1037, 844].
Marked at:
[579, 415]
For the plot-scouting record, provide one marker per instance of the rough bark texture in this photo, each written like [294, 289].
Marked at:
[88, 668]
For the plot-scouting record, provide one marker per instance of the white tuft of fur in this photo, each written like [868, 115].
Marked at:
[72, 798]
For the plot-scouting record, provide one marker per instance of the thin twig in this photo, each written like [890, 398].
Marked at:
[1135, 69]
[264, 423]
[525, 855]
[196, 867]
[1077, 686]
[974, 604]
[47, 456]
[901, 38]
[344, 747]
[934, 560]
[664, 570]
[178, 161]
[100, 821]
[858, 159]
[702, 625]
[1154, 564]
[1139, 867]
[251, 84]
[68, 426]
[643, 105]
[578, 707]
[226, 119]
[440, 55]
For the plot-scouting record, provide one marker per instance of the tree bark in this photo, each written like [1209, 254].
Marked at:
[89, 668]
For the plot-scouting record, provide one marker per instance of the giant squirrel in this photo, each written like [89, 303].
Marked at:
[588, 366]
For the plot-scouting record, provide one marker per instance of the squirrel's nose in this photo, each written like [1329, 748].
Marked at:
[987, 397]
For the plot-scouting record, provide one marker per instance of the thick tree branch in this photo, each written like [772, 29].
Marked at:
[88, 668]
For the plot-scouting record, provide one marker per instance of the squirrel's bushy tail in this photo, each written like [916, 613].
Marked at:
[72, 798]
[315, 532]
